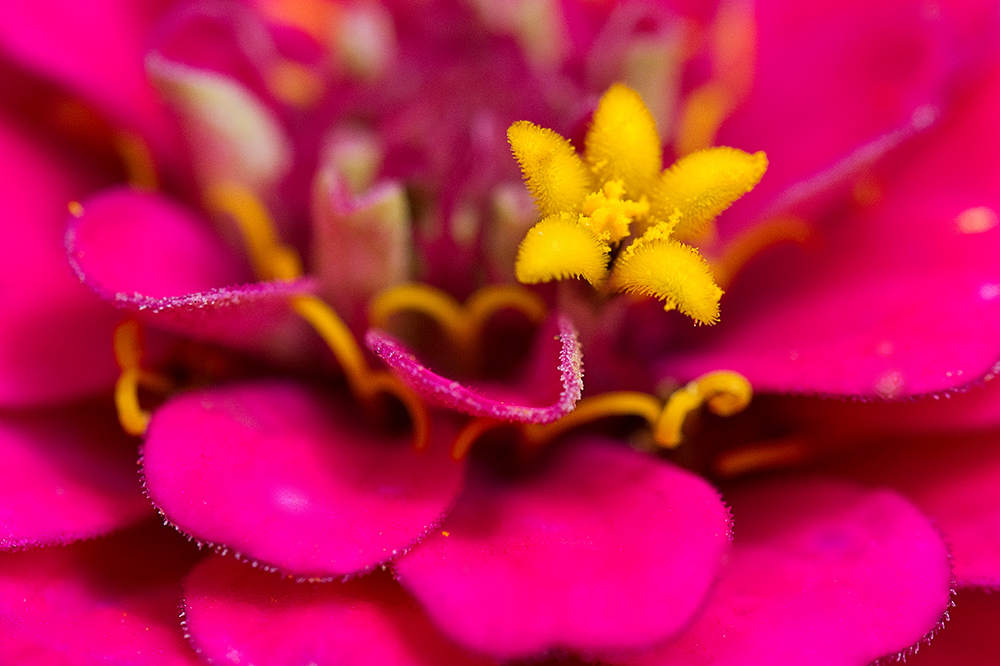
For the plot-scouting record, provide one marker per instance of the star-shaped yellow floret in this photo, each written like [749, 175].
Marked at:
[593, 202]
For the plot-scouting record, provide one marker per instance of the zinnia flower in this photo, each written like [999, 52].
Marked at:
[305, 270]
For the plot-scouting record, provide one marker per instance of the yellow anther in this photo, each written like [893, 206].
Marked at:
[556, 176]
[672, 272]
[140, 169]
[724, 392]
[608, 214]
[127, 342]
[760, 456]
[622, 142]
[472, 431]
[703, 184]
[604, 405]
[754, 240]
[559, 247]
[364, 383]
[271, 260]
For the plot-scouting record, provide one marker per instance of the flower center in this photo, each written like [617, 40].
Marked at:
[590, 202]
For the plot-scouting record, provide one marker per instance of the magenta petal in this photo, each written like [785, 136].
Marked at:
[66, 475]
[149, 255]
[240, 615]
[464, 399]
[598, 549]
[109, 601]
[94, 49]
[55, 341]
[286, 476]
[969, 637]
[822, 572]
[956, 481]
[901, 298]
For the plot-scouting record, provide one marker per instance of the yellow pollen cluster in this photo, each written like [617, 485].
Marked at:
[617, 190]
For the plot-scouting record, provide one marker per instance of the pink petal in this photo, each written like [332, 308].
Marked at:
[599, 548]
[293, 478]
[55, 342]
[828, 79]
[956, 481]
[377, 228]
[240, 615]
[148, 255]
[969, 637]
[821, 572]
[109, 601]
[899, 298]
[66, 475]
[519, 408]
[95, 50]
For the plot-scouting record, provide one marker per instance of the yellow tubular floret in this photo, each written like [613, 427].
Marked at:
[672, 272]
[556, 176]
[558, 248]
[623, 143]
[703, 184]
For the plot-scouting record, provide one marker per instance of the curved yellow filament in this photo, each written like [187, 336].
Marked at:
[472, 431]
[615, 403]
[739, 251]
[462, 324]
[136, 157]
[364, 382]
[760, 456]
[271, 260]
[723, 391]
[127, 342]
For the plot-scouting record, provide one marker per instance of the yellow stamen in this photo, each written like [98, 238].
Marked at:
[462, 324]
[701, 116]
[556, 176]
[739, 251]
[617, 403]
[723, 391]
[140, 169]
[364, 382]
[703, 184]
[472, 431]
[127, 342]
[558, 248]
[271, 260]
[608, 214]
[760, 456]
[672, 272]
[622, 142]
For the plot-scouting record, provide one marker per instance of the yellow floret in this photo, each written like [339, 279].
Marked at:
[556, 176]
[558, 248]
[701, 185]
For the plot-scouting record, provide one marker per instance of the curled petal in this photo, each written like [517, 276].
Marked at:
[821, 572]
[464, 399]
[231, 609]
[598, 548]
[287, 477]
[148, 255]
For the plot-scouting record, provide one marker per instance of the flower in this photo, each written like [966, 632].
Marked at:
[318, 157]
